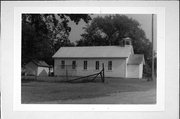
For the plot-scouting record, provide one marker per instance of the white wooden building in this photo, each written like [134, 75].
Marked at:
[37, 68]
[119, 61]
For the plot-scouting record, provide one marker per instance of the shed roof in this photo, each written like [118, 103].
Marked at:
[94, 52]
[135, 59]
[40, 63]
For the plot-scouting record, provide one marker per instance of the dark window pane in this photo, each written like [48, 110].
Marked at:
[109, 65]
[85, 64]
[97, 65]
[62, 64]
[73, 64]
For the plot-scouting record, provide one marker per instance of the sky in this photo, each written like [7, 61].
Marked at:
[145, 21]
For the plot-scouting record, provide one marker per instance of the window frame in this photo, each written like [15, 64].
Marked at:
[85, 65]
[62, 64]
[97, 65]
[73, 64]
[109, 65]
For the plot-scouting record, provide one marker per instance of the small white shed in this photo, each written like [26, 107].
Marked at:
[135, 66]
[37, 68]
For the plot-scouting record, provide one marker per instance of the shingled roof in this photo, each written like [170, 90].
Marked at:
[40, 63]
[94, 52]
[136, 59]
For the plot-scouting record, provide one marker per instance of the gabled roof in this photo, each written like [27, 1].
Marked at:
[40, 63]
[94, 52]
[135, 59]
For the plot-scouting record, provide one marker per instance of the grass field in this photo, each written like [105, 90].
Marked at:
[113, 91]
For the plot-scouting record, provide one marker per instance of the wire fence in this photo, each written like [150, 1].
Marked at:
[68, 73]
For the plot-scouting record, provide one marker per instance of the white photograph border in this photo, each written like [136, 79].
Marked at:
[159, 106]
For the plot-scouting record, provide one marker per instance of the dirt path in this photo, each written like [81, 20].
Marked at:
[144, 97]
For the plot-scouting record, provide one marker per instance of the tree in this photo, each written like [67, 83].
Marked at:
[111, 29]
[44, 34]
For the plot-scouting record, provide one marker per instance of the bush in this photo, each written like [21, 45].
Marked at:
[147, 71]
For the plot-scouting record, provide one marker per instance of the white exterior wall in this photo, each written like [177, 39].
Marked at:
[42, 71]
[118, 67]
[135, 71]
[141, 70]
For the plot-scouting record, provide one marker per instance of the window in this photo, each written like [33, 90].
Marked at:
[62, 64]
[127, 43]
[85, 64]
[109, 65]
[73, 64]
[97, 65]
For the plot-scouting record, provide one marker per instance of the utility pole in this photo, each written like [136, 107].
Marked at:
[152, 46]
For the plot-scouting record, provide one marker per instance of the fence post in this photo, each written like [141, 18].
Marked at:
[66, 73]
[103, 73]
